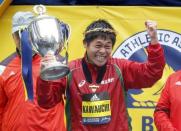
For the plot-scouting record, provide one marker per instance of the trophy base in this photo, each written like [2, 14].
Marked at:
[54, 71]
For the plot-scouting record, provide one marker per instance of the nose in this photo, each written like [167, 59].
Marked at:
[102, 50]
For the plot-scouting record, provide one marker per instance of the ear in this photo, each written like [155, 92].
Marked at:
[85, 44]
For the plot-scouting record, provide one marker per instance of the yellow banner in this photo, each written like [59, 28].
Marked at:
[129, 23]
[3, 5]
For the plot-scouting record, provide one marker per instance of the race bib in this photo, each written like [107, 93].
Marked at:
[96, 108]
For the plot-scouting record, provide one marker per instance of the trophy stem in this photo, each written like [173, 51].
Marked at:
[54, 71]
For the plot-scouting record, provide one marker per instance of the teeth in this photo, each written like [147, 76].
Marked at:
[100, 58]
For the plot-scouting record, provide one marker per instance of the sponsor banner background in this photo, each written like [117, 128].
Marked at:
[128, 21]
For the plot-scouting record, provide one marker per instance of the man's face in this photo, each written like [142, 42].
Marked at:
[99, 50]
[17, 42]
[16, 39]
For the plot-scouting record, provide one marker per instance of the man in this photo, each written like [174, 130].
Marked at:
[17, 113]
[96, 85]
[167, 115]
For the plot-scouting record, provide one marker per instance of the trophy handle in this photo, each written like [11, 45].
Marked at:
[65, 31]
[65, 28]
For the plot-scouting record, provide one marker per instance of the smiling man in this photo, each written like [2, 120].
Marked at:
[96, 86]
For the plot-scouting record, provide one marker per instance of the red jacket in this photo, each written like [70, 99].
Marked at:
[101, 106]
[1, 97]
[167, 115]
[18, 114]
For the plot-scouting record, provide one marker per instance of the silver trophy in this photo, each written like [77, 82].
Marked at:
[49, 35]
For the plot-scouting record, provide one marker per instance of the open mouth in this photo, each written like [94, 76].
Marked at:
[101, 58]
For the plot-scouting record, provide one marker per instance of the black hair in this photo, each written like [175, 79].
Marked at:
[100, 28]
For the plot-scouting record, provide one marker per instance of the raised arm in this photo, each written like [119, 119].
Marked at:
[50, 93]
[139, 75]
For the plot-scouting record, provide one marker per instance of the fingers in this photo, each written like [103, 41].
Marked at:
[151, 25]
[152, 30]
[47, 59]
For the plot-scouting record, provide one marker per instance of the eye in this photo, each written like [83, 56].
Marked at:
[108, 47]
[98, 46]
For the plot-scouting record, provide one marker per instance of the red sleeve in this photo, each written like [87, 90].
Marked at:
[139, 75]
[3, 100]
[162, 110]
[50, 92]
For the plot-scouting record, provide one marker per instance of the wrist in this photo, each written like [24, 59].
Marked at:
[154, 41]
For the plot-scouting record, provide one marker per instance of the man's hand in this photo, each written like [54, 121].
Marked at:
[47, 60]
[152, 31]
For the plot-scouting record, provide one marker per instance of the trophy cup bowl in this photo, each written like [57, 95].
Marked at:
[47, 36]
